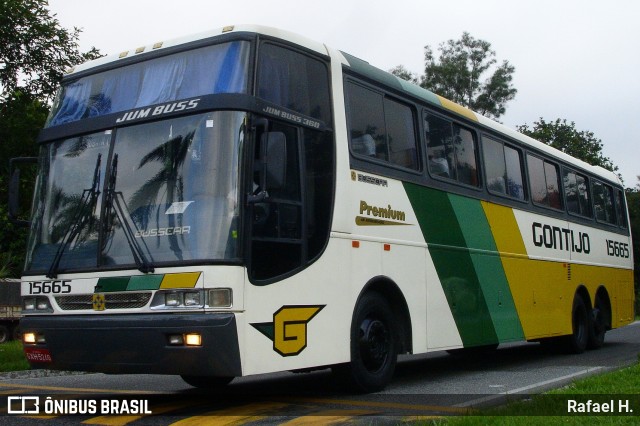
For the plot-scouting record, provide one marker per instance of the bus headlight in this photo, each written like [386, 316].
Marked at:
[172, 299]
[37, 303]
[220, 298]
[192, 298]
[29, 338]
[29, 304]
[178, 299]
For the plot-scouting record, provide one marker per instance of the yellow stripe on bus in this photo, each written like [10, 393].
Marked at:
[541, 303]
[459, 109]
[183, 280]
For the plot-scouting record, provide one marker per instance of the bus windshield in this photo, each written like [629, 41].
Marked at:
[221, 68]
[158, 192]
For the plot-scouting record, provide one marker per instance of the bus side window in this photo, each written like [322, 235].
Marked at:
[545, 185]
[503, 166]
[438, 134]
[603, 203]
[576, 188]
[621, 209]
[367, 128]
[451, 150]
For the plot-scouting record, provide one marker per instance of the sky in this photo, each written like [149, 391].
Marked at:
[577, 60]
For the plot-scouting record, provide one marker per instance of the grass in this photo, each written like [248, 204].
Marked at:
[11, 357]
[551, 407]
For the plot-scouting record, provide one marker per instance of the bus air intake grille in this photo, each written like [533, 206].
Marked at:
[111, 301]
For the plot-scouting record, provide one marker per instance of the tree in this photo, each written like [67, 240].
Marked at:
[34, 53]
[633, 204]
[458, 74]
[34, 49]
[564, 136]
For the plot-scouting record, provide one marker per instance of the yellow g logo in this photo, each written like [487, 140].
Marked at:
[288, 331]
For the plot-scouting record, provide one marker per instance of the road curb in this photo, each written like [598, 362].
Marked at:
[35, 374]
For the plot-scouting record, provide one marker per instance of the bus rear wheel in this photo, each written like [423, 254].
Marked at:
[577, 341]
[600, 320]
[374, 345]
[207, 382]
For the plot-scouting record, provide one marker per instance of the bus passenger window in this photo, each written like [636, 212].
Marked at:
[367, 129]
[381, 128]
[440, 155]
[465, 150]
[545, 185]
[451, 150]
[401, 135]
[576, 189]
[603, 203]
[504, 168]
[621, 209]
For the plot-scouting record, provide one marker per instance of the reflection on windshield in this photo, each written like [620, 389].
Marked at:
[221, 68]
[65, 222]
[177, 183]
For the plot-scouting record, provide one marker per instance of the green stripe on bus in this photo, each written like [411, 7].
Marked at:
[145, 282]
[142, 282]
[106, 285]
[454, 264]
[488, 266]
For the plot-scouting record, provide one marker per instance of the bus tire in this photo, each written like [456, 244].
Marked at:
[4, 334]
[207, 382]
[374, 345]
[577, 341]
[600, 318]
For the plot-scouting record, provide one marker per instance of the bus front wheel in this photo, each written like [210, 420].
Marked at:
[207, 382]
[374, 345]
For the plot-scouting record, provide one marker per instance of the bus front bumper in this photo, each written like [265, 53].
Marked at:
[137, 344]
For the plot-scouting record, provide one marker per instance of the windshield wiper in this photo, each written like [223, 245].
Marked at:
[115, 200]
[83, 215]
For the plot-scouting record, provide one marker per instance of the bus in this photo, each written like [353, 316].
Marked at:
[248, 201]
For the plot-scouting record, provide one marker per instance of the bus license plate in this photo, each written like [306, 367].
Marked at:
[37, 355]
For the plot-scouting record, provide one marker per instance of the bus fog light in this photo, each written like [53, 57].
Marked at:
[193, 339]
[176, 339]
[192, 299]
[29, 337]
[220, 298]
[172, 299]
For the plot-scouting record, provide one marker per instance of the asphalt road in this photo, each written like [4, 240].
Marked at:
[431, 385]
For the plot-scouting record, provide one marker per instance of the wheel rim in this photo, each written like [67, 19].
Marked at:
[374, 344]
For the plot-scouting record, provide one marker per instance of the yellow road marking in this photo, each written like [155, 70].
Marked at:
[328, 417]
[126, 419]
[231, 416]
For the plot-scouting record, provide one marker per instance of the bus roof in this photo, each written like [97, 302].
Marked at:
[361, 67]
[163, 45]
